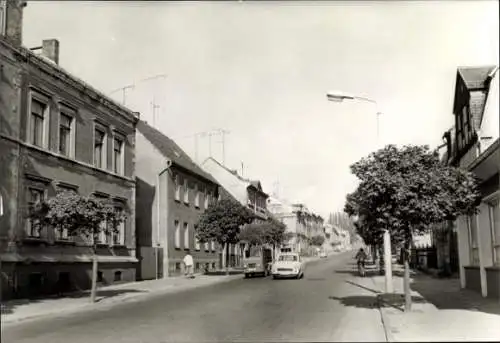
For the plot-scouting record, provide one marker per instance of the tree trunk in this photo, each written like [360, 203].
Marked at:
[227, 258]
[407, 289]
[93, 292]
[381, 259]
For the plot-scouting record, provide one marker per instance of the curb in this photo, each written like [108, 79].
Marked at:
[99, 306]
[384, 318]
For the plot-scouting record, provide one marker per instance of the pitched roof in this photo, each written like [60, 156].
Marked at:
[475, 77]
[172, 151]
[254, 183]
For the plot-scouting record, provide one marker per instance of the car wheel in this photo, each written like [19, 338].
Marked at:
[246, 276]
[274, 277]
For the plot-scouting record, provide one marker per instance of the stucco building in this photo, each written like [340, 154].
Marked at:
[172, 193]
[58, 133]
[475, 146]
[248, 193]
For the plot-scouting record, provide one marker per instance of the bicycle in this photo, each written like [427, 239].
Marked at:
[361, 268]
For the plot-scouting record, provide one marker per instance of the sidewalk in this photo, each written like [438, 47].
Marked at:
[441, 311]
[15, 311]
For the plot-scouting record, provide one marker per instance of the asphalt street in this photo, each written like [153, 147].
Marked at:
[256, 309]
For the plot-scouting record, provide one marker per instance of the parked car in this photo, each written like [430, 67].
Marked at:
[288, 266]
[323, 255]
[257, 262]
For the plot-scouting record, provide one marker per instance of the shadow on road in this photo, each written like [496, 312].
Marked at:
[10, 306]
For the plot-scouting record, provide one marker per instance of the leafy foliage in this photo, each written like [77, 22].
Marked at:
[272, 231]
[407, 190]
[78, 214]
[222, 222]
[317, 240]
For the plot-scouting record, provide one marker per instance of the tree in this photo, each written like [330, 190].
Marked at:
[317, 240]
[222, 222]
[80, 216]
[406, 190]
[253, 234]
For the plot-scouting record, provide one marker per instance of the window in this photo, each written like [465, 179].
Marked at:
[186, 236]
[118, 156]
[212, 246]
[100, 276]
[61, 234]
[197, 196]
[99, 148]
[207, 200]
[101, 237]
[119, 233]
[177, 234]
[65, 135]
[197, 244]
[37, 122]
[3, 5]
[118, 276]
[35, 196]
[177, 188]
[197, 266]
[207, 246]
[494, 209]
[186, 191]
[177, 266]
[474, 249]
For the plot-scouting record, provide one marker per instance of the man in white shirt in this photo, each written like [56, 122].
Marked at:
[188, 265]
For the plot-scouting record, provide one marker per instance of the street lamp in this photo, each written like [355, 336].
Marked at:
[338, 96]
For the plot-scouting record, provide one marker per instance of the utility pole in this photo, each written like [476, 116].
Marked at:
[155, 106]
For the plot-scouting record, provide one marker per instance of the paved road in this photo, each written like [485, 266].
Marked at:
[257, 309]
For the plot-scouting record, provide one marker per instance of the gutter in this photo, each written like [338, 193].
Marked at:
[491, 149]
[158, 221]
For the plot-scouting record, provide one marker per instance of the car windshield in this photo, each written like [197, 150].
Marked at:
[288, 258]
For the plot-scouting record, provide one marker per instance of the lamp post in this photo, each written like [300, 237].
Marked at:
[338, 96]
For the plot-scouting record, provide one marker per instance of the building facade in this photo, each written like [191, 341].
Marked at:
[302, 224]
[476, 111]
[172, 193]
[57, 133]
[248, 193]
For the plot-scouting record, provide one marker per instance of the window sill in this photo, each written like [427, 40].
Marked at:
[65, 242]
[471, 267]
[178, 200]
[177, 248]
[36, 240]
[119, 245]
[493, 268]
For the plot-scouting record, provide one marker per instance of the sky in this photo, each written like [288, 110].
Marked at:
[260, 71]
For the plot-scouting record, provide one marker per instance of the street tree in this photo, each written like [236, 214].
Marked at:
[317, 240]
[80, 216]
[406, 190]
[222, 222]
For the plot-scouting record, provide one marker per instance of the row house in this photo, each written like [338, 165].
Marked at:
[300, 222]
[476, 148]
[57, 133]
[172, 193]
[247, 192]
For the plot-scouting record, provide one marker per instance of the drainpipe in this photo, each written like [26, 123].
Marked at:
[158, 222]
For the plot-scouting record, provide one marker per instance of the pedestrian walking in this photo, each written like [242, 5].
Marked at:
[188, 265]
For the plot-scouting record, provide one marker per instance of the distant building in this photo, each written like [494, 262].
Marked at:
[474, 145]
[301, 223]
[172, 193]
[58, 133]
[248, 193]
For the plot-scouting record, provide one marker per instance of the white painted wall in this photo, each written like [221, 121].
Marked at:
[490, 125]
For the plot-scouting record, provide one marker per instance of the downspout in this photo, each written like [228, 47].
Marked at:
[158, 222]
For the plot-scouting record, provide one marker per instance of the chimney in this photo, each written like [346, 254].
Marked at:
[50, 49]
[11, 23]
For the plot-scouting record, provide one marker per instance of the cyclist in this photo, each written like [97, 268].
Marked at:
[361, 258]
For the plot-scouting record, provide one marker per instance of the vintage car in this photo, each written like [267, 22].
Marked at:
[257, 261]
[288, 266]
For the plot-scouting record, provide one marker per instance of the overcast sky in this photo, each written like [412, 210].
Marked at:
[260, 70]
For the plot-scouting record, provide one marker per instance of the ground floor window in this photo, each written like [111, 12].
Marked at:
[494, 212]
[473, 240]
